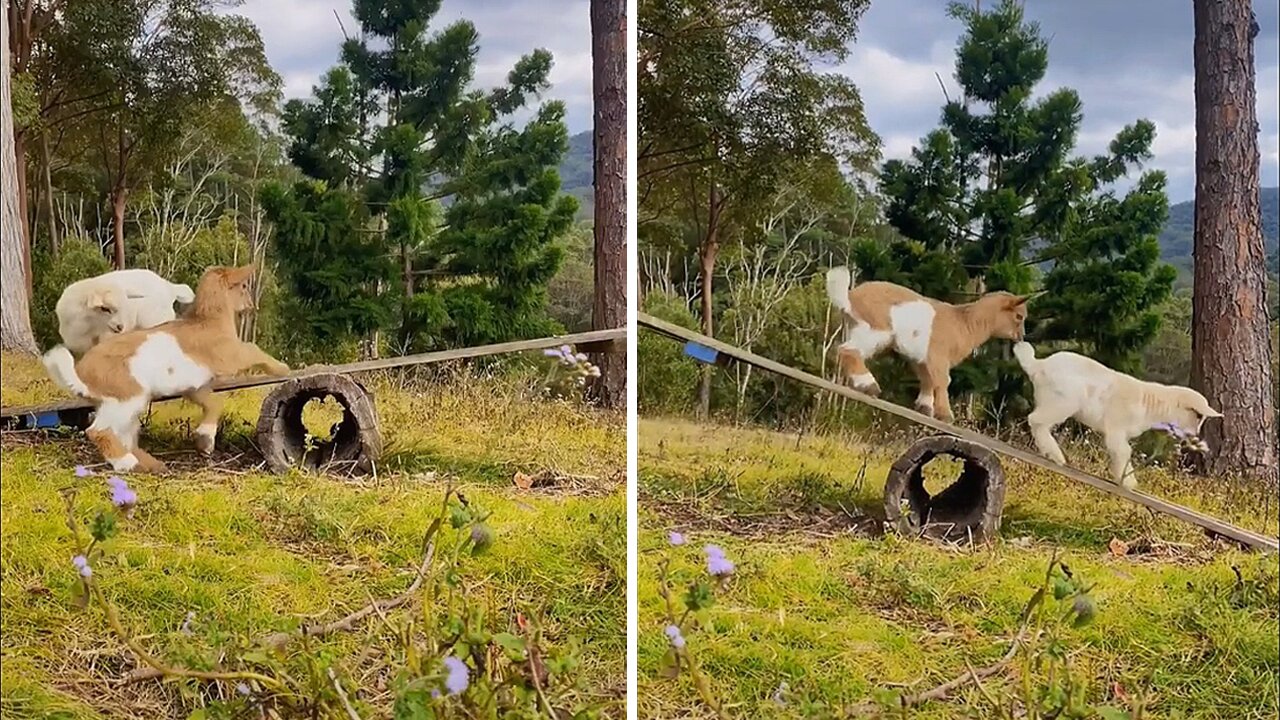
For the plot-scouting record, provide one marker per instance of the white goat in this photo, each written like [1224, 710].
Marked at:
[1068, 385]
[116, 302]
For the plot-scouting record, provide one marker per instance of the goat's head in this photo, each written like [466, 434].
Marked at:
[1191, 409]
[223, 290]
[1008, 313]
[105, 307]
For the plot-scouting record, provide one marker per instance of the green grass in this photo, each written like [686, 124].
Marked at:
[252, 553]
[843, 617]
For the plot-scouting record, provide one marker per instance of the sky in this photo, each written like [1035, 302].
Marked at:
[302, 39]
[1127, 60]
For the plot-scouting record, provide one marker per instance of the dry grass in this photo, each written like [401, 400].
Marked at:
[842, 615]
[252, 553]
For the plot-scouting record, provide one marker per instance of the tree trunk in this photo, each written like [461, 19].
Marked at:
[55, 240]
[118, 195]
[1231, 355]
[24, 219]
[707, 256]
[609, 80]
[15, 312]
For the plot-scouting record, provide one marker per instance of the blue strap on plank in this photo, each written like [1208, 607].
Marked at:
[44, 420]
[701, 353]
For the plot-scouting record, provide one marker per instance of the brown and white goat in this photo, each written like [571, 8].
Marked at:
[124, 372]
[933, 335]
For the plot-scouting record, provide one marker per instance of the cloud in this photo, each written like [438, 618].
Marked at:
[1126, 61]
[302, 39]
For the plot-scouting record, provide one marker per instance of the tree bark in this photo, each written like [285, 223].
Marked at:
[55, 240]
[1231, 353]
[609, 80]
[707, 254]
[15, 311]
[118, 196]
[24, 219]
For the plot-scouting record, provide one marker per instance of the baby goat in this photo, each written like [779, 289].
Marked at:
[1120, 407]
[123, 373]
[933, 335]
[115, 302]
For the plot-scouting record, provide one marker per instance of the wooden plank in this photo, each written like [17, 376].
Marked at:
[239, 383]
[1186, 514]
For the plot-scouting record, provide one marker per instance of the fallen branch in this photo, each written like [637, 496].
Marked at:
[342, 695]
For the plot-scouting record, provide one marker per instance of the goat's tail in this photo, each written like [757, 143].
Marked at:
[183, 293]
[61, 366]
[1026, 358]
[839, 282]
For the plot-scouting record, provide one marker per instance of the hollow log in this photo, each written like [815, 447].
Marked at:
[354, 444]
[967, 510]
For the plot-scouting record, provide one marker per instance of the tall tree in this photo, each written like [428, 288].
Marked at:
[609, 308]
[15, 328]
[1231, 354]
[399, 124]
[27, 20]
[993, 196]
[730, 98]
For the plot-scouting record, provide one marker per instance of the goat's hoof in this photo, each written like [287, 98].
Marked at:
[204, 443]
[872, 390]
[945, 417]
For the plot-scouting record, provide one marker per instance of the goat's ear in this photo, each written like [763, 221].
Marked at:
[1211, 412]
[239, 274]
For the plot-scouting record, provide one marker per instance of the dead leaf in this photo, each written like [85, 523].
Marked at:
[1118, 547]
[522, 481]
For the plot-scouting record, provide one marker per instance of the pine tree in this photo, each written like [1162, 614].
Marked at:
[994, 197]
[399, 123]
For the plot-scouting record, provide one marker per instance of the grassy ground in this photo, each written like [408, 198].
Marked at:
[245, 553]
[823, 602]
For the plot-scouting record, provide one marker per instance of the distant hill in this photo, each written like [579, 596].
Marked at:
[1177, 238]
[576, 174]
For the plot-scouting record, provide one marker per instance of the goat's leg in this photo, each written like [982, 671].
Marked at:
[941, 379]
[924, 401]
[115, 432]
[862, 342]
[1120, 451]
[207, 430]
[1042, 421]
[856, 373]
[249, 356]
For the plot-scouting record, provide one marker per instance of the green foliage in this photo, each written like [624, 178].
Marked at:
[335, 272]
[571, 293]
[181, 254]
[735, 100]
[78, 259]
[478, 271]
[994, 196]
[665, 378]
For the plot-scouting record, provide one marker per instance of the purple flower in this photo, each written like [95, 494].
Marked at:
[243, 689]
[552, 352]
[717, 563]
[1171, 429]
[122, 496]
[82, 563]
[677, 639]
[82, 471]
[675, 538]
[457, 680]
